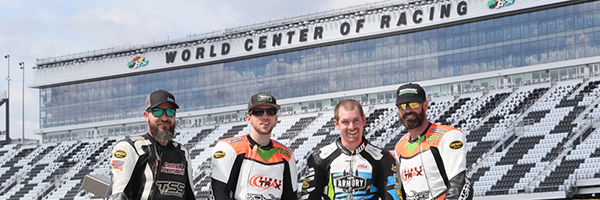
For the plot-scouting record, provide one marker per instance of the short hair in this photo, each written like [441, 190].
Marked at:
[347, 104]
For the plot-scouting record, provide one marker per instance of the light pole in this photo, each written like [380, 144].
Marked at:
[22, 64]
[7, 97]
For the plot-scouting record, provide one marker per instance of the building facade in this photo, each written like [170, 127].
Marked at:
[448, 46]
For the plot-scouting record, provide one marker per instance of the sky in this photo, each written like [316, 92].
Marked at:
[31, 30]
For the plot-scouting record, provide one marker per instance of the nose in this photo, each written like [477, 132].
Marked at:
[163, 117]
[352, 125]
[264, 115]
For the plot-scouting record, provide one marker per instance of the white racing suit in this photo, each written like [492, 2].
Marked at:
[434, 166]
[244, 171]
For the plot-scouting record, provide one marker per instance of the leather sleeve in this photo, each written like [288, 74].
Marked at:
[123, 162]
[453, 151]
[387, 180]
[118, 196]
[291, 178]
[315, 179]
[223, 160]
[189, 190]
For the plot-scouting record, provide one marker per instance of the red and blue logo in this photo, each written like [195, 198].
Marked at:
[363, 166]
[137, 62]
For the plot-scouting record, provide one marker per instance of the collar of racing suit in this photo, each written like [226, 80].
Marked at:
[422, 134]
[254, 143]
[360, 147]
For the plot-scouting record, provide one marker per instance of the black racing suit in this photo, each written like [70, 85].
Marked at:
[143, 169]
[334, 172]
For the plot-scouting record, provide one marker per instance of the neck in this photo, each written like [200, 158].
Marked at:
[351, 146]
[261, 139]
[416, 132]
[163, 143]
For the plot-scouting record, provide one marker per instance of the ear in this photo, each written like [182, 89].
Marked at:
[364, 120]
[336, 123]
[146, 115]
[248, 118]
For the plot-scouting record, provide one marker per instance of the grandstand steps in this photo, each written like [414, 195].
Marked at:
[511, 165]
[82, 159]
[31, 166]
[566, 148]
[475, 103]
[381, 117]
[565, 121]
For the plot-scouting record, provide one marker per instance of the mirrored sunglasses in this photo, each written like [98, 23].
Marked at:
[405, 106]
[157, 112]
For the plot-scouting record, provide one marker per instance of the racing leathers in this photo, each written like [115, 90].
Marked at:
[434, 166]
[334, 172]
[143, 169]
[242, 169]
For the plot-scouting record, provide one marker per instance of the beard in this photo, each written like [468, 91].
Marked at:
[162, 134]
[260, 131]
[413, 122]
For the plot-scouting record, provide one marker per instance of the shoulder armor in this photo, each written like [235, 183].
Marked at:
[374, 151]
[442, 129]
[327, 150]
[234, 139]
[137, 142]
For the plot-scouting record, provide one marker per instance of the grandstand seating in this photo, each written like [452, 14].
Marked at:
[528, 139]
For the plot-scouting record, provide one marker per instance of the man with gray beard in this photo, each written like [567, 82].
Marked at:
[431, 158]
[152, 166]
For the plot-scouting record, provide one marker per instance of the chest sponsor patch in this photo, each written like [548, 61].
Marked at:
[409, 173]
[168, 188]
[219, 154]
[456, 144]
[120, 154]
[264, 182]
[173, 168]
[351, 183]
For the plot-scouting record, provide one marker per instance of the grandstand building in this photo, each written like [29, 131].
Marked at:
[520, 78]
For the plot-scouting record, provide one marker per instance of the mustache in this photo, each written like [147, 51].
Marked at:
[165, 121]
[410, 113]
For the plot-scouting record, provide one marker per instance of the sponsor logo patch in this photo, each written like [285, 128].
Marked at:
[409, 173]
[117, 164]
[173, 168]
[236, 139]
[265, 182]
[120, 154]
[456, 144]
[364, 166]
[219, 154]
[264, 97]
[437, 130]
[305, 184]
[169, 188]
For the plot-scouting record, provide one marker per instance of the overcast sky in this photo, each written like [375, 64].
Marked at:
[30, 30]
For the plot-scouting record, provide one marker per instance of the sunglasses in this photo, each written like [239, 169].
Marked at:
[260, 111]
[405, 106]
[157, 112]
